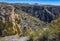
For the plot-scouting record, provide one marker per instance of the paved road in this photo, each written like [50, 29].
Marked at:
[15, 38]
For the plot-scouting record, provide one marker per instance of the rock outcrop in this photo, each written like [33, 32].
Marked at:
[45, 13]
[7, 20]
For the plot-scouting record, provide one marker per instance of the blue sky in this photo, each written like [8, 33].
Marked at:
[52, 2]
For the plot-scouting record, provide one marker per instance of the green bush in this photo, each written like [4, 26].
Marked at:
[1, 39]
[55, 27]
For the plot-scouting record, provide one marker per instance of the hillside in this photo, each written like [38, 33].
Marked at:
[46, 13]
[16, 20]
[38, 22]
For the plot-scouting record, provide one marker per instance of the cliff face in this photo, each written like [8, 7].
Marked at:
[44, 13]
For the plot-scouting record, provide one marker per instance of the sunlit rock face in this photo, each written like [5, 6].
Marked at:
[5, 13]
[7, 19]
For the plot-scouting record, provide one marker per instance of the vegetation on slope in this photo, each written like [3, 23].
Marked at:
[36, 30]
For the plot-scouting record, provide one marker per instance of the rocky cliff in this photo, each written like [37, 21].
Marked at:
[46, 13]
